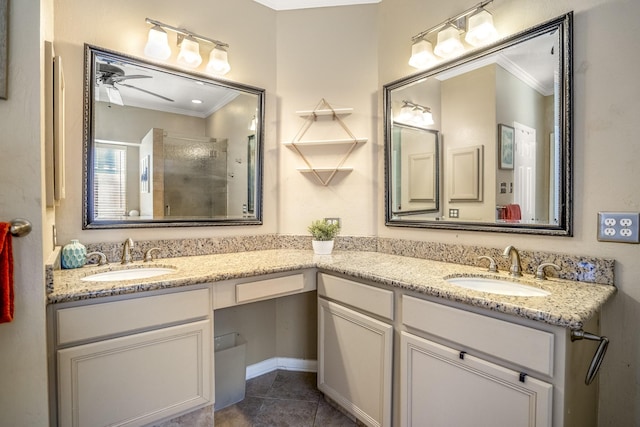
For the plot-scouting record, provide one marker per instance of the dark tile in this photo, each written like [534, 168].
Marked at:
[260, 386]
[328, 416]
[285, 413]
[295, 385]
[202, 417]
[239, 415]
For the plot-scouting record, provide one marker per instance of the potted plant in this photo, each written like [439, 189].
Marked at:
[323, 233]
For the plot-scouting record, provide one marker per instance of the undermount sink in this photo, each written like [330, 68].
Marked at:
[497, 286]
[128, 274]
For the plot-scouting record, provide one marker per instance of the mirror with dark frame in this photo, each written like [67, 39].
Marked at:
[500, 121]
[163, 147]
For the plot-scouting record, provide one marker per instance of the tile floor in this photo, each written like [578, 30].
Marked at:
[279, 398]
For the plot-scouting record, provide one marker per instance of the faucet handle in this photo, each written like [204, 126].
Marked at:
[102, 258]
[493, 268]
[540, 275]
[148, 255]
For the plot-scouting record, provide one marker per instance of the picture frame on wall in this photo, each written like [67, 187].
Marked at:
[506, 136]
[4, 25]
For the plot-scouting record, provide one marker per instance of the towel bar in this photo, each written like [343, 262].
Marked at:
[20, 227]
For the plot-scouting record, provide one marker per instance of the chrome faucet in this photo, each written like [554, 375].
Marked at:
[512, 253]
[126, 251]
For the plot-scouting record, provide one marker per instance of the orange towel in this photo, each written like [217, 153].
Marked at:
[6, 273]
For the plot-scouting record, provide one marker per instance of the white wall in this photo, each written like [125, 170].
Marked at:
[23, 362]
[606, 107]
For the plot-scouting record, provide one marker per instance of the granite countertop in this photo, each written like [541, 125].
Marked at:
[569, 305]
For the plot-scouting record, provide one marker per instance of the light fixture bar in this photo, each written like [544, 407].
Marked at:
[453, 20]
[187, 33]
[414, 105]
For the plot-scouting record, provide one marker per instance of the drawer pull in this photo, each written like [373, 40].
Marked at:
[522, 377]
[598, 357]
[462, 353]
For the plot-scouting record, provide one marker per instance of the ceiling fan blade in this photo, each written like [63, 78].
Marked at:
[118, 79]
[146, 91]
[114, 95]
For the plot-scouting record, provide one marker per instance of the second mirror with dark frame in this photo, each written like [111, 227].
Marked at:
[168, 148]
[501, 119]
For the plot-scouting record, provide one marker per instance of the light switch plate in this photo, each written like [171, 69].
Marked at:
[619, 227]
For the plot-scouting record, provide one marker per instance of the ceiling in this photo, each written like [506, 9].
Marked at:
[306, 4]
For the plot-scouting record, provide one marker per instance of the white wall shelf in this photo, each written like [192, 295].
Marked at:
[324, 112]
[326, 142]
[298, 143]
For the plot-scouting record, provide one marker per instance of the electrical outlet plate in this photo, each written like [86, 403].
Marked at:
[333, 221]
[619, 227]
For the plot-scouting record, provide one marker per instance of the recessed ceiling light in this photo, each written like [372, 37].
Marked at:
[196, 101]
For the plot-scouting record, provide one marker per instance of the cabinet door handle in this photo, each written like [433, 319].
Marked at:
[598, 357]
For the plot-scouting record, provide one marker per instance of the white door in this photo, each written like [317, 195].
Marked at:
[440, 387]
[524, 165]
[354, 362]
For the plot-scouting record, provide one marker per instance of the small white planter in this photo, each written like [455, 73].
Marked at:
[322, 247]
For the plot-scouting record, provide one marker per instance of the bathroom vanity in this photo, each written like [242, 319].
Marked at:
[397, 344]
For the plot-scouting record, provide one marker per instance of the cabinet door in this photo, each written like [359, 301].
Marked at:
[441, 387]
[136, 379]
[354, 362]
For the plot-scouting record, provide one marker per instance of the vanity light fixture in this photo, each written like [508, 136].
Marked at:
[157, 47]
[478, 24]
[414, 115]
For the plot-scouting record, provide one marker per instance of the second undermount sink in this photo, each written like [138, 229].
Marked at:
[128, 274]
[497, 286]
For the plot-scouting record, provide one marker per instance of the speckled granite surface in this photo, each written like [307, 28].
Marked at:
[584, 269]
[570, 304]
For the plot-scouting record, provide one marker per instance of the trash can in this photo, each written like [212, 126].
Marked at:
[230, 369]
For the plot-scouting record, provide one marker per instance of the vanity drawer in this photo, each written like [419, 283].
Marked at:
[269, 288]
[524, 346]
[119, 317]
[365, 297]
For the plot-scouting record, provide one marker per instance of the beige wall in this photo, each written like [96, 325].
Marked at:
[606, 105]
[328, 53]
[249, 29]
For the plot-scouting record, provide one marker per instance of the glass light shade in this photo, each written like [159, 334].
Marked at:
[157, 44]
[405, 114]
[422, 54]
[218, 61]
[427, 118]
[449, 44]
[189, 55]
[480, 29]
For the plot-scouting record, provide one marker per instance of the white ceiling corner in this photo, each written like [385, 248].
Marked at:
[307, 4]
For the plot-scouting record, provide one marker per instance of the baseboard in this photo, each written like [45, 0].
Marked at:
[285, 363]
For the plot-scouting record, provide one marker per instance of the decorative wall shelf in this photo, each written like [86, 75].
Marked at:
[323, 109]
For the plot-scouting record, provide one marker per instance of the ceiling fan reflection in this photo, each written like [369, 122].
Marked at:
[110, 77]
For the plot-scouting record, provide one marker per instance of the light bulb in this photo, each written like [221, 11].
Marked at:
[189, 55]
[422, 54]
[218, 61]
[157, 44]
[449, 44]
[480, 29]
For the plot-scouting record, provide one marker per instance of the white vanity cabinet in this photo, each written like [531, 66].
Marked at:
[129, 362]
[355, 344]
[463, 368]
